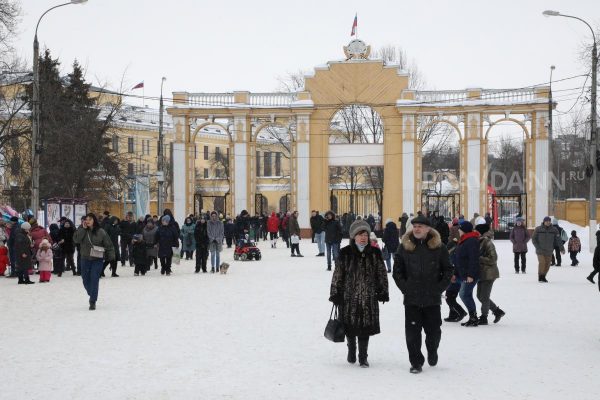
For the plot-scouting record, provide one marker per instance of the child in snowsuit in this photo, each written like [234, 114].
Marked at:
[139, 254]
[44, 257]
[3, 258]
[574, 248]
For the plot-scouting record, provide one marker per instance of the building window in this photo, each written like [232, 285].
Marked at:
[130, 170]
[206, 152]
[195, 152]
[258, 163]
[267, 163]
[205, 173]
[217, 154]
[218, 174]
[145, 147]
[115, 143]
[130, 145]
[278, 164]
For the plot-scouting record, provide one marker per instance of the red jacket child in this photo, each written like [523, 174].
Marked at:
[3, 259]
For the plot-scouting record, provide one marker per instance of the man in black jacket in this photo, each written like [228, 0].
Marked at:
[332, 230]
[422, 272]
[127, 229]
[316, 224]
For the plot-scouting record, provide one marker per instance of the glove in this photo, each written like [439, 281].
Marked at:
[383, 298]
[336, 299]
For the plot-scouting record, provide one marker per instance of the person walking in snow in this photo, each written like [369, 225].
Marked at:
[273, 228]
[202, 244]
[216, 232]
[88, 236]
[574, 248]
[358, 283]
[333, 237]
[488, 273]
[391, 241]
[422, 271]
[560, 248]
[294, 231]
[167, 237]
[467, 269]
[188, 244]
[545, 239]
[44, 258]
[519, 236]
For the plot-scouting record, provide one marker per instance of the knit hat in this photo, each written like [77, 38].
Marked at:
[420, 219]
[166, 219]
[520, 219]
[554, 221]
[547, 219]
[482, 228]
[45, 242]
[25, 226]
[359, 226]
[480, 221]
[466, 227]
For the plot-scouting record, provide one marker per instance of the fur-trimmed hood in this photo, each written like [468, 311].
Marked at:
[409, 242]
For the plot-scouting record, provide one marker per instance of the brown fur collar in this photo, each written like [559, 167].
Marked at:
[434, 240]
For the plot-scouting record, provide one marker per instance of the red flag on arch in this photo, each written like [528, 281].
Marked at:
[354, 25]
[138, 86]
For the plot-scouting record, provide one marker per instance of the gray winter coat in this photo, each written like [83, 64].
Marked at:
[545, 239]
[216, 232]
[149, 236]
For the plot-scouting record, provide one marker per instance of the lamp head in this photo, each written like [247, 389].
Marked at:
[552, 67]
[78, 1]
[550, 13]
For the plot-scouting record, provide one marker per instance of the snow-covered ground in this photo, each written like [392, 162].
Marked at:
[257, 333]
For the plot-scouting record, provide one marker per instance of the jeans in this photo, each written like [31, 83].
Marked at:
[320, 239]
[428, 319]
[90, 275]
[388, 262]
[466, 295]
[332, 249]
[484, 292]
[215, 259]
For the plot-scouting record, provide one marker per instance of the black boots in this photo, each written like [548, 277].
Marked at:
[482, 320]
[416, 369]
[432, 359]
[473, 320]
[363, 345]
[455, 316]
[591, 277]
[542, 278]
[92, 305]
[351, 349]
[498, 314]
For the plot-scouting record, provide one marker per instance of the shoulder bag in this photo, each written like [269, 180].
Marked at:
[95, 251]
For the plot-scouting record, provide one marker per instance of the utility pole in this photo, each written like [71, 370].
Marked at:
[551, 159]
[161, 159]
[594, 164]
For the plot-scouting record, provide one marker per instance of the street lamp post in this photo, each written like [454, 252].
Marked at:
[36, 146]
[551, 147]
[161, 157]
[593, 131]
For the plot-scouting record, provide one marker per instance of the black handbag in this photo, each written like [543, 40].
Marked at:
[334, 330]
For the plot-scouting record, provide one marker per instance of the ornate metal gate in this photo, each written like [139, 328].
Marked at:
[505, 208]
[447, 205]
[210, 203]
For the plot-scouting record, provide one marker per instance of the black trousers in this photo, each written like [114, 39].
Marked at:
[428, 319]
[201, 257]
[125, 252]
[455, 308]
[140, 269]
[70, 262]
[296, 247]
[523, 261]
[229, 241]
[573, 255]
[113, 266]
[165, 264]
[558, 256]
[59, 264]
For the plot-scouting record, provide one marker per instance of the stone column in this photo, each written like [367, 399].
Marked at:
[392, 164]
[471, 148]
[541, 181]
[241, 185]
[301, 182]
[411, 167]
[181, 189]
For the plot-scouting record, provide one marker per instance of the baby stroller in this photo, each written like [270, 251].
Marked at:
[246, 250]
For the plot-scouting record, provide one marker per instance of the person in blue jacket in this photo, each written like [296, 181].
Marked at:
[467, 269]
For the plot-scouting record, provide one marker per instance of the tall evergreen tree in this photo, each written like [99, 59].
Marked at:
[76, 160]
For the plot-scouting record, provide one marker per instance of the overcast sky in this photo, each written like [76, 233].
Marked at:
[219, 46]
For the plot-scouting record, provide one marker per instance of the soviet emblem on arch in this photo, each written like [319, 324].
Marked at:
[357, 50]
